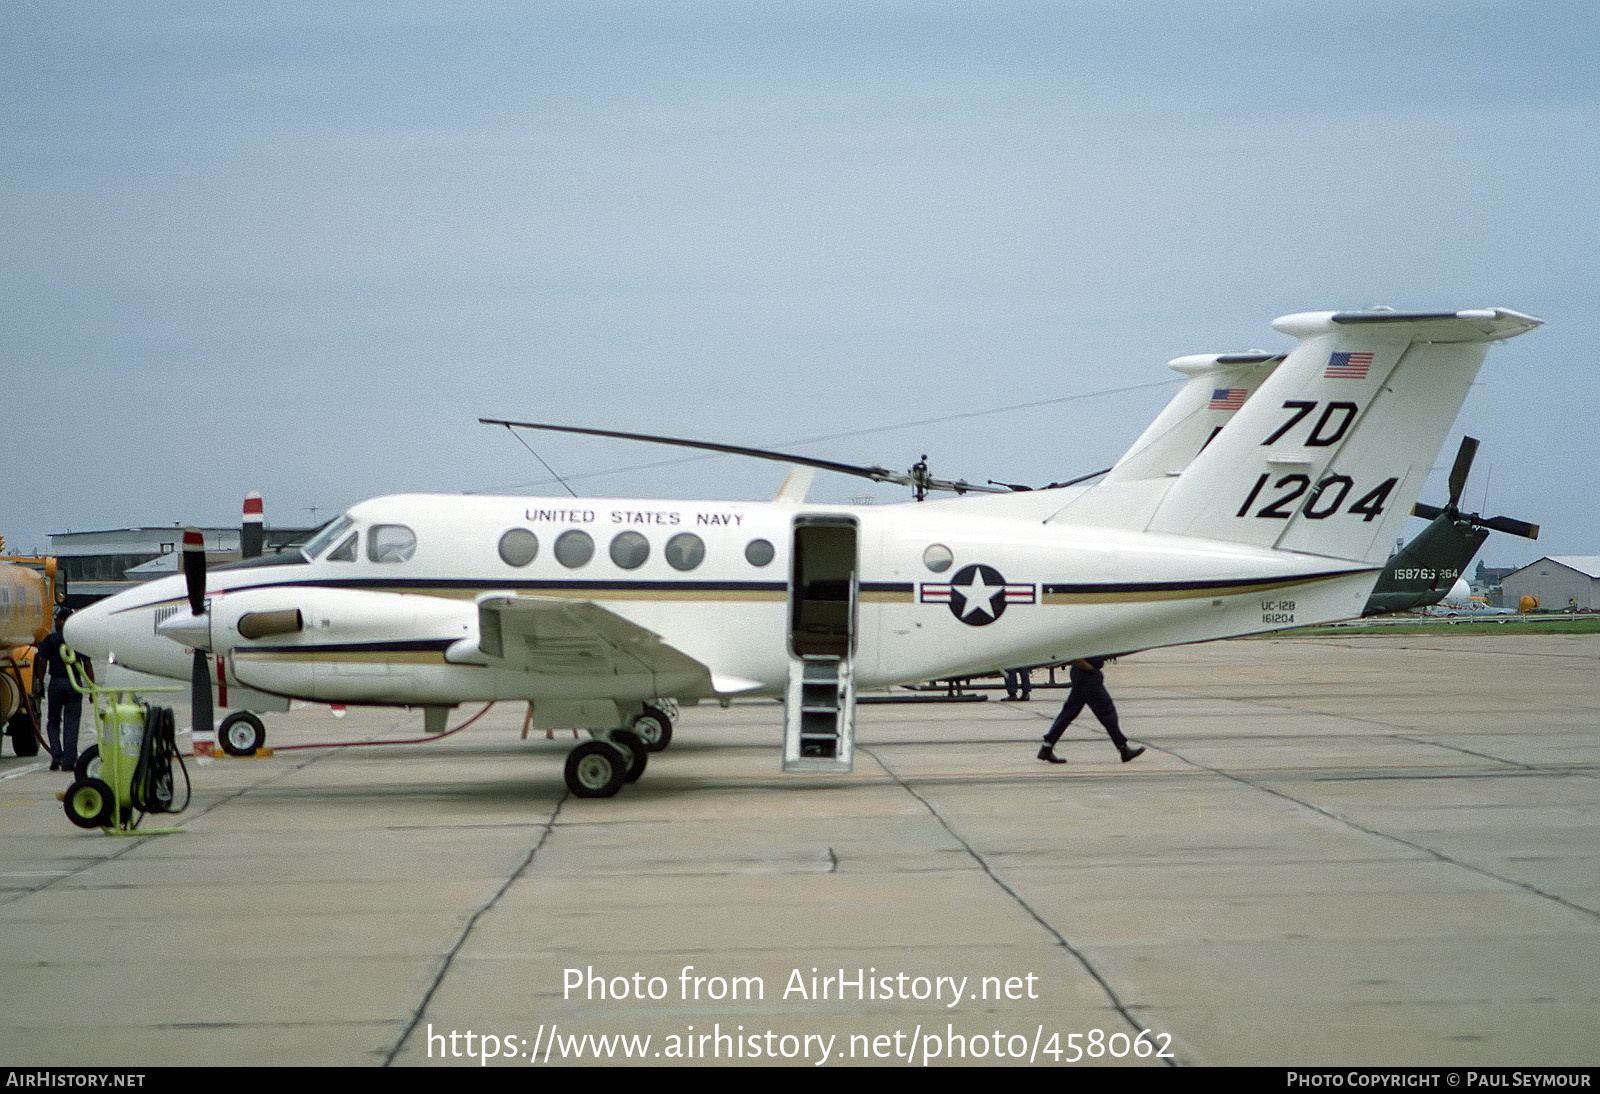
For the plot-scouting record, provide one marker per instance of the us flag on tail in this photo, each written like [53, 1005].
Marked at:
[1348, 366]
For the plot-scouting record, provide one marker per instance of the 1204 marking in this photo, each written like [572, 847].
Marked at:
[1322, 502]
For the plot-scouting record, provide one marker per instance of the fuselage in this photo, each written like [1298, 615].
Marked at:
[385, 600]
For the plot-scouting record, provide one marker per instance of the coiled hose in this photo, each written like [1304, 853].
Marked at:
[153, 789]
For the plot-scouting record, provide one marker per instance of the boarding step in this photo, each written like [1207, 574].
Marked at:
[819, 716]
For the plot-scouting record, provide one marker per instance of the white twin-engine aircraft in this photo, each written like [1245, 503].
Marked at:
[1265, 495]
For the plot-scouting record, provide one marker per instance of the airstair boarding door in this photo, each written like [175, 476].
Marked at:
[819, 706]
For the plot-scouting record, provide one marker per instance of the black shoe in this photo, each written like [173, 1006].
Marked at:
[55, 764]
[1132, 752]
[1047, 753]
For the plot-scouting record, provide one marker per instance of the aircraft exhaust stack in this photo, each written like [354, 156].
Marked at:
[251, 531]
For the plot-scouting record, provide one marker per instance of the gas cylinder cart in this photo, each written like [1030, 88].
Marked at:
[129, 773]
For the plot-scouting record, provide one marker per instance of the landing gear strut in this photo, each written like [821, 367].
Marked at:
[655, 727]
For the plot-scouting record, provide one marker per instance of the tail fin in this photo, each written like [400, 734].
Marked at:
[1218, 387]
[1331, 451]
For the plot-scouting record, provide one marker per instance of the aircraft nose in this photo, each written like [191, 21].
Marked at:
[88, 632]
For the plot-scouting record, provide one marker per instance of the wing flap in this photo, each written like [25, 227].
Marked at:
[561, 637]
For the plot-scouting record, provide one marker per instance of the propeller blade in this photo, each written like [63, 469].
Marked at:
[194, 569]
[876, 474]
[1427, 512]
[1463, 465]
[200, 694]
[1510, 524]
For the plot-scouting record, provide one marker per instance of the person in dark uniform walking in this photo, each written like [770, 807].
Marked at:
[63, 702]
[1019, 683]
[1088, 690]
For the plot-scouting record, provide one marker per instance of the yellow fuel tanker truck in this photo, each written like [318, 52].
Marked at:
[27, 600]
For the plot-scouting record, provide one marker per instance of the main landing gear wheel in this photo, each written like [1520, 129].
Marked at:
[655, 727]
[241, 733]
[89, 803]
[596, 769]
[638, 752]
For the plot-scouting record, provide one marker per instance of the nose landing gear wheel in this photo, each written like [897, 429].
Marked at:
[20, 730]
[595, 769]
[241, 733]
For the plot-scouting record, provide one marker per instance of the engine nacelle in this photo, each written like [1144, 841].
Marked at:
[339, 645]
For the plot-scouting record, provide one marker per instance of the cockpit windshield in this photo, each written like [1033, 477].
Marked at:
[328, 536]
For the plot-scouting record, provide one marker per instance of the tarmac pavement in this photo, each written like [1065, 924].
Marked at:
[1364, 851]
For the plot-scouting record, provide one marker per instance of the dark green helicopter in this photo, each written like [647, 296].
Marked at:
[1421, 573]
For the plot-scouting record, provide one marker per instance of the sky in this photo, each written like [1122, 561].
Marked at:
[300, 248]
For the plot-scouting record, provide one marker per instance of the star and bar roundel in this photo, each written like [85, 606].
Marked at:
[977, 594]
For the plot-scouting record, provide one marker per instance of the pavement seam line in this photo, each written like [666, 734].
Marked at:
[1111, 994]
[1533, 769]
[133, 843]
[466, 932]
[1403, 841]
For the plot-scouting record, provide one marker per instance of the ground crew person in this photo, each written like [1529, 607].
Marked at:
[1019, 682]
[1088, 689]
[64, 699]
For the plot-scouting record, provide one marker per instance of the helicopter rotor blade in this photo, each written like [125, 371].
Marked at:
[1511, 525]
[876, 474]
[1462, 467]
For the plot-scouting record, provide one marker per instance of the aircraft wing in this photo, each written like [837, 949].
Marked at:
[561, 637]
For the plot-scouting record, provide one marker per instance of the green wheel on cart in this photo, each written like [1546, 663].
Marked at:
[90, 803]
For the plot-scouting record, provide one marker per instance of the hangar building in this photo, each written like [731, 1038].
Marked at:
[97, 564]
[1559, 581]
